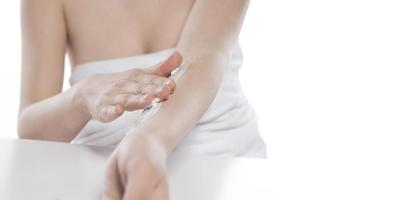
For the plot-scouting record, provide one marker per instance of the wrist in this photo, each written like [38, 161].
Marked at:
[140, 142]
[153, 135]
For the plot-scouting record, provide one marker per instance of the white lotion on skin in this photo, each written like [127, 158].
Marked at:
[156, 103]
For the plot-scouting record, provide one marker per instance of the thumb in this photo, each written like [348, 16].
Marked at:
[165, 68]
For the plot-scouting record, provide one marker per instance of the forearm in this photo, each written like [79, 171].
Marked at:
[194, 94]
[206, 43]
[58, 118]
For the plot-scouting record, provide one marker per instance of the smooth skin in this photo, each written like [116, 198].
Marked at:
[204, 31]
[107, 96]
[46, 112]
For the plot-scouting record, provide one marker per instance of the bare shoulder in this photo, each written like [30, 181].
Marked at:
[41, 12]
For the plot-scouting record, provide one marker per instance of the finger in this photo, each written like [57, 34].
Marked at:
[161, 192]
[131, 87]
[110, 112]
[171, 84]
[135, 102]
[139, 100]
[137, 188]
[161, 92]
[165, 68]
[164, 92]
[113, 188]
[158, 80]
[146, 83]
[127, 102]
[136, 78]
[123, 99]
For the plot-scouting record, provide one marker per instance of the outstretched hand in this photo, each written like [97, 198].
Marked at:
[106, 96]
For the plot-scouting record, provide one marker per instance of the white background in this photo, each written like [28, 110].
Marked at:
[329, 80]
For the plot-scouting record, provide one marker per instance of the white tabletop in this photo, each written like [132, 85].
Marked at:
[47, 170]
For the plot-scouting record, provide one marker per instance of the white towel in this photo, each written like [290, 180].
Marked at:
[229, 127]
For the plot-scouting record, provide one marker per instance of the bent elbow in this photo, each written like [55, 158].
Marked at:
[23, 128]
[23, 132]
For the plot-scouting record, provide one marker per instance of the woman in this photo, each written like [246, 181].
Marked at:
[114, 48]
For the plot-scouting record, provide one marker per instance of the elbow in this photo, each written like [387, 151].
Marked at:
[26, 136]
[25, 132]
[23, 128]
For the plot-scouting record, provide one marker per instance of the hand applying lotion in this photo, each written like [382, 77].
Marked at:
[135, 170]
[156, 103]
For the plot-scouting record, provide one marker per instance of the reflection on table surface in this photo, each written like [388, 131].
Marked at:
[49, 170]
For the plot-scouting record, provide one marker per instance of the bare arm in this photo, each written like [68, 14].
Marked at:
[46, 113]
[206, 44]
[137, 167]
